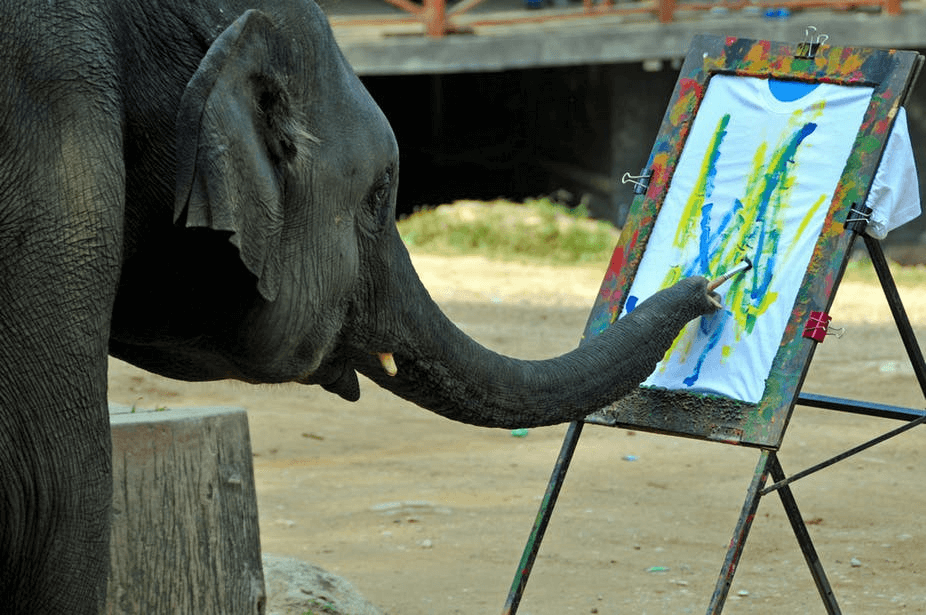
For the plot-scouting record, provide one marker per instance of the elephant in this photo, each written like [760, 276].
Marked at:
[207, 191]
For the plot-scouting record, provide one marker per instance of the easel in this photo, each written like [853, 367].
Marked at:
[731, 424]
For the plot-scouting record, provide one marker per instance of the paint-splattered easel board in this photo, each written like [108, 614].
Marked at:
[889, 74]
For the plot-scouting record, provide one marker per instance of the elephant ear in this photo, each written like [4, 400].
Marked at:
[237, 132]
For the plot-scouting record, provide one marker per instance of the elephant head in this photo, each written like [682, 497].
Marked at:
[290, 267]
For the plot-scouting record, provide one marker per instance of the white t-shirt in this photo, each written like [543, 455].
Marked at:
[755, 179]
[894, 196]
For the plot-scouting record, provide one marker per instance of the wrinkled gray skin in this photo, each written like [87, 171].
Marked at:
[208, 192]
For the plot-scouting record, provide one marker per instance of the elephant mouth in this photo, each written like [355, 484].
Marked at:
[340, 377]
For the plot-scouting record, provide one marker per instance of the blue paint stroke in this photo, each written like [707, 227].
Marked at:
[712, 327]
[704, 253]
[711, 241]
[789, 91]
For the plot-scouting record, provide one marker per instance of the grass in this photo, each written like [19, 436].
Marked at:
[539, 230]
[321, 608]
[862, 271]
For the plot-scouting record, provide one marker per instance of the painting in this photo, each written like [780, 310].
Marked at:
[764, 150]
[754, 181]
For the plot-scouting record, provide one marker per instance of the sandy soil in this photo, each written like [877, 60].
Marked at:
[427, 516]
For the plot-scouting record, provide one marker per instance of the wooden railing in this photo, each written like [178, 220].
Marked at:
[440, 19]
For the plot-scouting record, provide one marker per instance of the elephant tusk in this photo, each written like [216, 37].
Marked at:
[388, 362]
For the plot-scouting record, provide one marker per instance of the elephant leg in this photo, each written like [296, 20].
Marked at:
[60, 226]
[56, 514]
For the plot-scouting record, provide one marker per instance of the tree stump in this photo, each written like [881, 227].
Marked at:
[185, 535]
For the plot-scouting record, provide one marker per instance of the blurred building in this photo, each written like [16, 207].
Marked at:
[516, 98]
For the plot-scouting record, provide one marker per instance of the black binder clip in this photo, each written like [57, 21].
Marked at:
[858, 218]
[640, 182]
[807, 49]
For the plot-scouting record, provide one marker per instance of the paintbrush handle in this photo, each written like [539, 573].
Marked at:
[713, 284]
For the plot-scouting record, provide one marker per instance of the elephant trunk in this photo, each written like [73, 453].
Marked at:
[442, 369]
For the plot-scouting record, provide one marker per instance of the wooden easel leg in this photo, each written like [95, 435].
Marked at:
[803, 539]
[907, 336]
[543, 518]
[725, 580]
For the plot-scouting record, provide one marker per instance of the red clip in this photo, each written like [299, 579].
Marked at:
[817, 326]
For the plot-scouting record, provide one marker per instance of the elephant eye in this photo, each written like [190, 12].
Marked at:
[378, 197]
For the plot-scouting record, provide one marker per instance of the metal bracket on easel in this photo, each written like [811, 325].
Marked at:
[640, 182]
[858, 218]
[818, 327]
[807, 49]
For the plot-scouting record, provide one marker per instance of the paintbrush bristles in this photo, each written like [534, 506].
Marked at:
[744, 266]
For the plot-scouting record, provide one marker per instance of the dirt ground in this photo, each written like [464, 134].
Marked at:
[425, 516]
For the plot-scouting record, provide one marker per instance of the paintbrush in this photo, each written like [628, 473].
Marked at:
[744, 266]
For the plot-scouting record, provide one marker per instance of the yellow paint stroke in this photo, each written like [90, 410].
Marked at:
[726, 351]
[805, 221]
[682, 343]
[674, 274]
